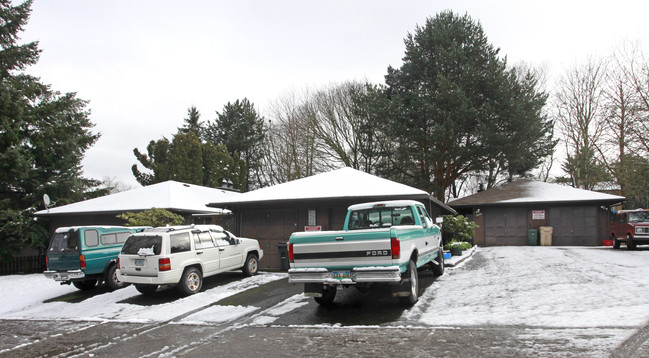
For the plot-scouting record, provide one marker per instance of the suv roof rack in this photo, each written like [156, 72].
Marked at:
[171, 228]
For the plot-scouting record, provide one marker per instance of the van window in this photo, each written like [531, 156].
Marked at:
[91, 238]
[63, 242]
[179, 242]
[135, 243]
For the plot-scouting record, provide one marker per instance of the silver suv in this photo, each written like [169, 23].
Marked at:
[183, 256]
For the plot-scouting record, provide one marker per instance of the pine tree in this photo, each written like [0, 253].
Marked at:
[43, 137]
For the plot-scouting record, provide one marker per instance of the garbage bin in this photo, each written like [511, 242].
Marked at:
[546, 235]
[283, 256]
[533, 236]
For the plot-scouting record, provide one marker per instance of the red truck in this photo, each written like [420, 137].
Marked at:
[630, 227]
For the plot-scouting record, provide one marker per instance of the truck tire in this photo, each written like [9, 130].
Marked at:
[616, 242]
[413, 280]
[630, 245]
[191, 282]
[328, 295]
[251, 265]
[438, 270]
[86, 285]
[112, 282]
[146, 289]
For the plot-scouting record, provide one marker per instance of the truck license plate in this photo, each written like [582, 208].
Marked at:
[139, 262]
[60, 277]
[339, 275]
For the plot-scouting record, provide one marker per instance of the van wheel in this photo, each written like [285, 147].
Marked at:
[412, 279]
[251, 266]
[146, 289]
[191, 281]
[86, 285]
[112, 282]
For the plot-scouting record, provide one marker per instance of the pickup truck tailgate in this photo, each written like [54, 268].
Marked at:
[342, 249]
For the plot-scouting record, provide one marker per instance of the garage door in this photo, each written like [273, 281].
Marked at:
[574, 226]
[505, 226]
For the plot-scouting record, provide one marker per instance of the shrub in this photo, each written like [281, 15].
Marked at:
[458, 228]
[152, 217]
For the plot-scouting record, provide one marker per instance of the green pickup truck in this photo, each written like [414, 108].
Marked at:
[87, 255]
[381, 242]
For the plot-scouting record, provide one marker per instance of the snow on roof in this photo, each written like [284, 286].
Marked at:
[529, 191]
[340, 183]
[170, 195]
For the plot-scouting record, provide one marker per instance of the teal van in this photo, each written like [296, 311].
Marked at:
[87, 255]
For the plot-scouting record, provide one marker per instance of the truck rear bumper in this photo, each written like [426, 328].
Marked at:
[345, 277]
[64, 275]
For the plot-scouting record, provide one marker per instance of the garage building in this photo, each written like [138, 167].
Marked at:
[505, 214]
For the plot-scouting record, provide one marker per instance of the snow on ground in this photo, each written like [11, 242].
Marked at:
[22, 297]
[541, 286]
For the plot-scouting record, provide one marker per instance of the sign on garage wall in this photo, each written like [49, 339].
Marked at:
[538, 214]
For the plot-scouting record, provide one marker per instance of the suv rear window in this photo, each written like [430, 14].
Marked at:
[63, 242]
[135, 243]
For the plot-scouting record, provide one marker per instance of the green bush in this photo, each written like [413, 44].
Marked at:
[153, 217]
[458, 229]
[461, 244]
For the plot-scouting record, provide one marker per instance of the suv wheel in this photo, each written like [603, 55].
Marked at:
[191, 281]
[251, 265]
[146, 289]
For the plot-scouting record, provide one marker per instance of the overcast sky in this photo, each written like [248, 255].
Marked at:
[141, 64]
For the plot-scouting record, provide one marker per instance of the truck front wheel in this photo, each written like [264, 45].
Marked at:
[328, 295]
[630, 245]
[438, 270]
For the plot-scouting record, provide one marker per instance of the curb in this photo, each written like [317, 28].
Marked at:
[456, 260]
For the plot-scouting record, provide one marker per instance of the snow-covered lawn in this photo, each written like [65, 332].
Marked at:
[541, 286]
[23, 296]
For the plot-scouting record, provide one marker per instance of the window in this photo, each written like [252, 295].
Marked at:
[203, 240]
[135, 243]
[108, 239]
[122, 236]
[179, 242]
[423, 215]
[91, 238]
[63, 242]
[221, 238]
[380, 217]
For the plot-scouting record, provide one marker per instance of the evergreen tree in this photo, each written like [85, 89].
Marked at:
[193, 123]
[450, 107]
[186, 159]
[240, 128]
[43, 137]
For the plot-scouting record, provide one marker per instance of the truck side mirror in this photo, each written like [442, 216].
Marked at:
[439, 220]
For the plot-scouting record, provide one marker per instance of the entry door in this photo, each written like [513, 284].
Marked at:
[505, 226]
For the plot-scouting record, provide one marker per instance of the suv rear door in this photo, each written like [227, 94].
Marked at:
[140, 255]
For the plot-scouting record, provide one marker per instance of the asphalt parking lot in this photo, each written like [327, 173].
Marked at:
[551, 302]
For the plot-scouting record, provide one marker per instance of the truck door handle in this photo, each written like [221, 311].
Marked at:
[340, 238]
[426, 243]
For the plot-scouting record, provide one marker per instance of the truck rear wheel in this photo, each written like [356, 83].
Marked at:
[413, 279]
[328, 295]
[86, 285]
[112, 282]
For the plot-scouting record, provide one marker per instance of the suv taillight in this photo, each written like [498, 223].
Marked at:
[164, 264]
[82, 262]
[290, 253]
[395, 245]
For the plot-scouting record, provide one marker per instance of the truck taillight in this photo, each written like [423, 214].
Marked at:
[118, 263]
[47, 262]
[290, 253]
[82, 262]
[164, 264]
[395, 245]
